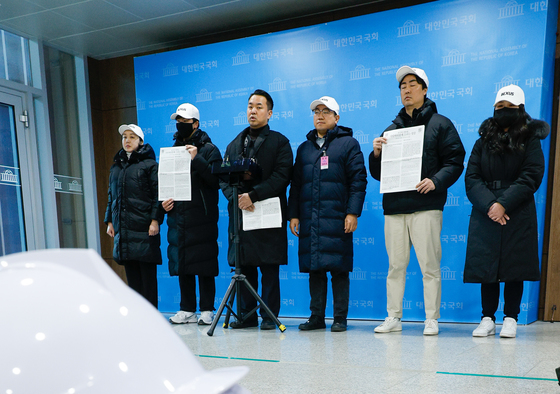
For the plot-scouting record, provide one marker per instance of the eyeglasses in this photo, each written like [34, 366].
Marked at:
[324, 111]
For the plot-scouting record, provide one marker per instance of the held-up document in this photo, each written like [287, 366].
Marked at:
[174, 174]
[267, 214]
[401, 159]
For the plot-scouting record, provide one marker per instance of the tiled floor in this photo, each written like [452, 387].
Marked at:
[360, 361]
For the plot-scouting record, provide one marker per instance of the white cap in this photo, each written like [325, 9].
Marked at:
[132, 127]
[512, 93]
[405, 70]
[187, 111]
[327, 101]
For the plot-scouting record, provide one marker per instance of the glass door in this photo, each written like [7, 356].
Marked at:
[12, 222]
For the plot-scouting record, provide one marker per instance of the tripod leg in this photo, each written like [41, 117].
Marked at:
[229, 292]
[263, 305]
[230, 304]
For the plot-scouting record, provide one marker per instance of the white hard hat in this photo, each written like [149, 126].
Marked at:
[89, 332]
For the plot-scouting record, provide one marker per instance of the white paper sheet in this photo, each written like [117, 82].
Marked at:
[174, 174]
[267, 214]
[401, 159]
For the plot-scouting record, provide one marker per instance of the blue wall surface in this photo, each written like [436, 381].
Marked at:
[469, 50]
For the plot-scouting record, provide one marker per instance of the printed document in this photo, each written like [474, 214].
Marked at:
[401, 159]
[174, 174]
[267, 214]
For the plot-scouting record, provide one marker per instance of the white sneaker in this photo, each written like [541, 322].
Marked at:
[206, 318]
[389, 325]
[509, 329]
[485, 328]
[183, 317]
[431, 327]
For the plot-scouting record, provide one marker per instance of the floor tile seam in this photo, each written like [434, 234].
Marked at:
[537, 364]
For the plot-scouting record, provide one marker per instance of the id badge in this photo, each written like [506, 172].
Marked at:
[324, 162]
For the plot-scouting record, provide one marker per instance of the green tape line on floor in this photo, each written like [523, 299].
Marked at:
[240, 358]
[495, 376]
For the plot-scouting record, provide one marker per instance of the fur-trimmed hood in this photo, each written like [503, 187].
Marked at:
[538, 128]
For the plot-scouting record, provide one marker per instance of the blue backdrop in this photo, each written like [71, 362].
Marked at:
[469, 50]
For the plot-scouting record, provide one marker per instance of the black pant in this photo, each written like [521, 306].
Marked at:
[206, 287]
[142, 277]
[270, 294]
[513, 292]
[318, 291]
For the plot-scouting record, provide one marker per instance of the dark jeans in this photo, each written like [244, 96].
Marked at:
[490, 292]
[206, 287]
[270, 294]
[142, 277]
[318, 291]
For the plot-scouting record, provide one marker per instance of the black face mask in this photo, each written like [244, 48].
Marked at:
[184, 130]
[505, 117]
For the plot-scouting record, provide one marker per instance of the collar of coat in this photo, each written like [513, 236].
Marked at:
[144, 152]
[198, 138]
[260, 139]
[420, 116]
[337, 132]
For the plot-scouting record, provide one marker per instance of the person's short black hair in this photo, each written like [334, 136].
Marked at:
[260, 92]
[418, 79]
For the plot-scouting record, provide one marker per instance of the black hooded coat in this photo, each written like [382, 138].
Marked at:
[133, 204]
[507, 253]
[193, 225]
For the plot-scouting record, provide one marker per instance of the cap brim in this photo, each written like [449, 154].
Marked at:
[174, 116]
[514, 102]
[316, 103]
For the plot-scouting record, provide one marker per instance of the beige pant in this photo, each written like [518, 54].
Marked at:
[422, 230]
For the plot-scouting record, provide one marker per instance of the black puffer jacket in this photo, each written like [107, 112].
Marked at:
[193, 225]
[321, 199]
[442, 161]
[274, 155]
[497, 253]
[133, 204]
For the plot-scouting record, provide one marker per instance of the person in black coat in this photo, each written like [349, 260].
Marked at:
[193, 225]
[415, 217]
[132, 212]
[326, 198]
[265, 248]
[505, 169]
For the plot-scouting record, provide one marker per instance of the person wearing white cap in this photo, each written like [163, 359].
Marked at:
[326, 198]
[415, 217]
[505, 169]
[192, 226]
[132, 216]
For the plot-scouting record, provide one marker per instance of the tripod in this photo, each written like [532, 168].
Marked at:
[238, 278]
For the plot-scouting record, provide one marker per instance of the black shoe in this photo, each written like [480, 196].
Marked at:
[314, 323]
[268, 324]
[244, 324]
[339, 324]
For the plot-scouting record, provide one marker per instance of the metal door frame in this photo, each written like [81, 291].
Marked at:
[32, 212]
